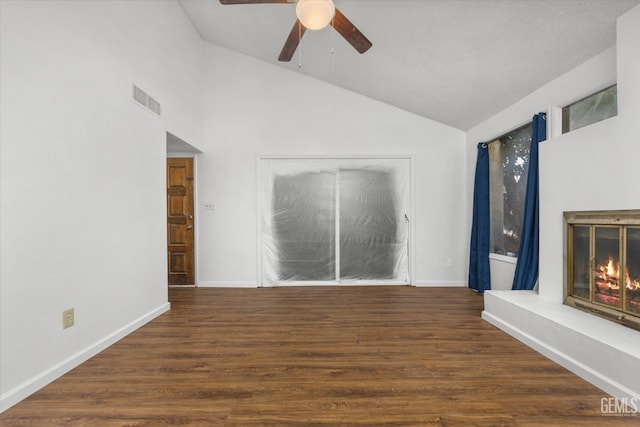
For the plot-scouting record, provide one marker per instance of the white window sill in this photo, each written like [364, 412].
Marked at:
[503, 258]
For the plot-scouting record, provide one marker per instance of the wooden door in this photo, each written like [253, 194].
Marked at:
[180, 249]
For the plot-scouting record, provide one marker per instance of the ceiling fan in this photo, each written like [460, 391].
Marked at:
[314, 15]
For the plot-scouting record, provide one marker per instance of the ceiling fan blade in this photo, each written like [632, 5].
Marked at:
[253, 1]
[350, 32]
[292, 42]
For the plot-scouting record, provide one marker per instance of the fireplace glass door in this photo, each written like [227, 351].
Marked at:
[606, 266]
[632, 273]
[603, 264]
[581, 271]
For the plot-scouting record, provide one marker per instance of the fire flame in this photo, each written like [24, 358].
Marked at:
[611, 271]
[633, 285]
[609, 275]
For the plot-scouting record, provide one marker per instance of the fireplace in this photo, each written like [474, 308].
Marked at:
[603, 264]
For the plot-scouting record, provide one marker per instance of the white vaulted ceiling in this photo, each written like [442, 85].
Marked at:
[455, 61]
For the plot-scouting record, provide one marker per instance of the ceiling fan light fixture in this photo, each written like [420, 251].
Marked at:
[315, 14]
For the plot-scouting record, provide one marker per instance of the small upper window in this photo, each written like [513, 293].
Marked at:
[594, 108]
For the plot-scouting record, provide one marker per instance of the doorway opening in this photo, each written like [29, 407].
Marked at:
[335, 221]
[181, 220]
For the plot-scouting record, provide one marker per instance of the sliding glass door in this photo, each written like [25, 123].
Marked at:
[334, 221]
[303, 221]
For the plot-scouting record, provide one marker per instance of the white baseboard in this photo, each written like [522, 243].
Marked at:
[27, 388]
[583, 371]
[439, 284]
[216, 284]
[419, 283]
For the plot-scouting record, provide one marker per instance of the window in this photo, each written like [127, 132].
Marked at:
[335, 220]
[508, 171]
[303, 222]
[594, 108]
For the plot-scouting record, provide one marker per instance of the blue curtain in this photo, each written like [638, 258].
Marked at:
[479, 273]
[527, 267]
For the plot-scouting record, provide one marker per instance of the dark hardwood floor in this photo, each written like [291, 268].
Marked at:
[369, 356]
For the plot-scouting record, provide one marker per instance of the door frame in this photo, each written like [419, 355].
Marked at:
[196, 227]
[260, 164]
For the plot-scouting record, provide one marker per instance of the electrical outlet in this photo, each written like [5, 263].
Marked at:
[450, 262]
[68, 319]
[208, 206]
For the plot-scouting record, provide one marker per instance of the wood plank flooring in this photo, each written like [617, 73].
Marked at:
[318, 356]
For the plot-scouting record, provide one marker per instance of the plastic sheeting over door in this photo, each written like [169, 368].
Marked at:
[335, 221]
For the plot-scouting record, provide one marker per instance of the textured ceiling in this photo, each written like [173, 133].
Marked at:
[455, 61]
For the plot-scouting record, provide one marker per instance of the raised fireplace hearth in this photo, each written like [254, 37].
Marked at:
[603, 264]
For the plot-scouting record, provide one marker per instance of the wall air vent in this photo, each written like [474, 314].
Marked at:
[146, 101]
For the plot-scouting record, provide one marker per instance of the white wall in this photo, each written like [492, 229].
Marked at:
[572, 178]
[256, 109]
[571, 169]
[595, 74]
[82, 175]
[82, 168]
